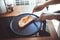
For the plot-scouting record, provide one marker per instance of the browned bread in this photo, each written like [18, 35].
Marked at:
[25, 20]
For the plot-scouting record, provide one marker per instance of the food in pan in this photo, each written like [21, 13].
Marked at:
[25, 20]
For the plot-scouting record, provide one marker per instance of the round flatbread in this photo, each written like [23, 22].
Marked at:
[25, 20]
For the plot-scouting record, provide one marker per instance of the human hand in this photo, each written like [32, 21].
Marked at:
[38, 8]
[42, 17]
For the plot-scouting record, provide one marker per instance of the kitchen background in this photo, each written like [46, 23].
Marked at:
[32, 4]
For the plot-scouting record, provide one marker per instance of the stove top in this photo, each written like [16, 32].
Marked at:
[5, 31]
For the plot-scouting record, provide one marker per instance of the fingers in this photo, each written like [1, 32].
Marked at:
[34, 10]
[42, 17]
[38, 8]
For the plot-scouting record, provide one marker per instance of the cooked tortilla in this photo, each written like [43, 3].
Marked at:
[25, 20]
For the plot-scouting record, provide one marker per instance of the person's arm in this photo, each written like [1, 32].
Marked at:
[40, 7]
[50, 16]
[51, 2]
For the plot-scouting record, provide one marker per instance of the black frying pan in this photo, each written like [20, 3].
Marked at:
[31, 29]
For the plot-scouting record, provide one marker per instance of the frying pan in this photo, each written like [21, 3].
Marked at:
[31, 29]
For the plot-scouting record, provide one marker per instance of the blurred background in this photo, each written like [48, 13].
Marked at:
[28, 6]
